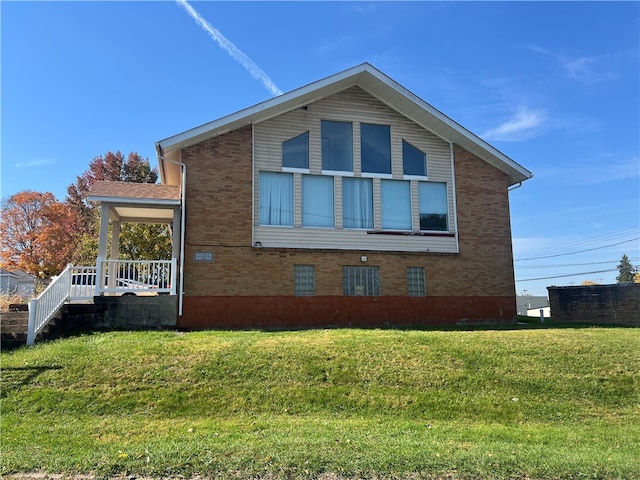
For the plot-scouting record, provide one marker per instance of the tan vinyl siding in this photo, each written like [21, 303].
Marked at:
[355, 106]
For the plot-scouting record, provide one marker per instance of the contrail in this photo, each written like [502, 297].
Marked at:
[239, 56]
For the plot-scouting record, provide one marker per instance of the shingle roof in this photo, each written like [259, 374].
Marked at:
[103, 190]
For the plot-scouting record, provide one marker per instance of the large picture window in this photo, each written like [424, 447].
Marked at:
[357, 203]
[337, 146]
[295, 152]
[433, 206]
[414, 161]
[396, 205]
[276, 198]
[317, 201]
[375, 148]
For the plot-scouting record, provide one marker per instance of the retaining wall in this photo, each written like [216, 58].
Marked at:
[598, 304]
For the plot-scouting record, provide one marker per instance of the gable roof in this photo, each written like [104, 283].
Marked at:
[376, 84]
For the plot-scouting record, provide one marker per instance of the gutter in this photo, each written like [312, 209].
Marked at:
[183, 190]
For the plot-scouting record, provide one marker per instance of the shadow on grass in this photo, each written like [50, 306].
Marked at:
[13, 378]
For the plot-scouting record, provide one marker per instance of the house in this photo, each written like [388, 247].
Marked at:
[347, 202]
[17, 282]
[533, 303]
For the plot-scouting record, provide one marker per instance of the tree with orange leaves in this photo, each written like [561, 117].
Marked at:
[37, 233]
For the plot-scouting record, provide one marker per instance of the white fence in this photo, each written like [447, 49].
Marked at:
[109, 277]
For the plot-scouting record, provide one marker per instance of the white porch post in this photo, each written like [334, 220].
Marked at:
[175, 231]
[115, 240]
[104, 231]
[102, 247]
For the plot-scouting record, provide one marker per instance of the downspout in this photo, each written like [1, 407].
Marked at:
[455, 196]
[183, 215]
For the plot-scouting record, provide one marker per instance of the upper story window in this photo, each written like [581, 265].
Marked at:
[434, 209]
[357, 203]
[295, 152]
[317, 201]
[414, 161]
[337, 146]
[276, 198]
[396, 205]
[375, 148]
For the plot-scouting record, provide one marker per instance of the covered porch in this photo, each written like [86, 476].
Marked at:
[125, 202]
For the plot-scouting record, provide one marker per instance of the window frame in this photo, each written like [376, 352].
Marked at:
[287, 168]
[301, 274]
[369, 173]
[416, 282]
[355, 273]
[447, 214]
[330, 171]
[331, 197]
[409, 206]
[411, 176]
[260, 198]
[371, 203]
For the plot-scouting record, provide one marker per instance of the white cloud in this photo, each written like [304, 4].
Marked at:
[584, 69]
[34, 163]
[525, 123]
[233, 51]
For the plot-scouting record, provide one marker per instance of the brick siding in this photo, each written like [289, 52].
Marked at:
[598, 304]
[219, 219]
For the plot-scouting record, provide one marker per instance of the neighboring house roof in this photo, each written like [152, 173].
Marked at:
[527, 302]
[134, 201]
[7, 273]
[370, 80]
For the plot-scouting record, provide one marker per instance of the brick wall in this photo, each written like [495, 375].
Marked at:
[218, 220]
[600, 304]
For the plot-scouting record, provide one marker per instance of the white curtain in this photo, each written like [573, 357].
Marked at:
[276, 198]
[357, 202]
[396, 205]
[317, 201]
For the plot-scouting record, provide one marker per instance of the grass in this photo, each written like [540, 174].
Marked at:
[534, 403]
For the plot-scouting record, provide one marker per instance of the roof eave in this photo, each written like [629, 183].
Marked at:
[373, 82]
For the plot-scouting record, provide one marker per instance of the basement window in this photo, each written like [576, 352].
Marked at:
[304, 280]
[361, 281]
[415, 282]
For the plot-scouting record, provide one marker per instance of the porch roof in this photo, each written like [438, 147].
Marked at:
[137, 202]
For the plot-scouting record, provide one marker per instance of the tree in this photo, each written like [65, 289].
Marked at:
[37, 234]
[137, 241]
[626, 271]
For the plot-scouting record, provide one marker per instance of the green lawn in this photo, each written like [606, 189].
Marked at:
[531, 403]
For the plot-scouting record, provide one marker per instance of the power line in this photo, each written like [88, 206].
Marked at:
[556, 265]
[579, 251]
[568, 275]
[585, 242]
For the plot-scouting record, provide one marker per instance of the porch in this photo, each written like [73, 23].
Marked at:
[121, 202]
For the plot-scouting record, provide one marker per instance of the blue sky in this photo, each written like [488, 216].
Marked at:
[554, 85]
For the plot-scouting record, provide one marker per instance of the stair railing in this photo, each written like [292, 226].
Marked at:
[46, 305]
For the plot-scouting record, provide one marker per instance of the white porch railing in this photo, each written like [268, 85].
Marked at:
[137, 276]
[111, 277]
[44, 307]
